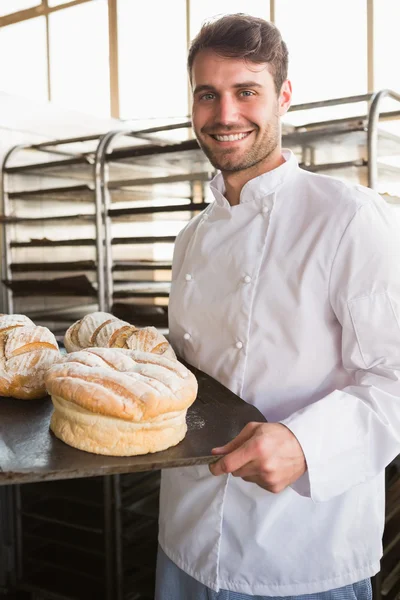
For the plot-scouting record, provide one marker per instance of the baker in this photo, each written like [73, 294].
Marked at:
[286, 289]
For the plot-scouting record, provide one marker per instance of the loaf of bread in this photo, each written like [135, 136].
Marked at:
[120, 402]
[103, 330]
[26, 351]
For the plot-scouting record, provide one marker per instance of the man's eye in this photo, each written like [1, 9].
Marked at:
[247, 93]
[208, 96]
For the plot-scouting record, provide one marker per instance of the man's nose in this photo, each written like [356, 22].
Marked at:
[227, 110]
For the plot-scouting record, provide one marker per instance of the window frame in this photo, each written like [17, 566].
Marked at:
[43, 9]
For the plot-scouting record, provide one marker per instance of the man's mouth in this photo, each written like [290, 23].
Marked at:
[230, 137]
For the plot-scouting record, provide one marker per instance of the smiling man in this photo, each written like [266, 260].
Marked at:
[286, 289]
[236, 116]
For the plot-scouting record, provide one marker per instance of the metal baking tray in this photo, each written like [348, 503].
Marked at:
[30, 452]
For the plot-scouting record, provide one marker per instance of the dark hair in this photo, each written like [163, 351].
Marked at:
[243, 36]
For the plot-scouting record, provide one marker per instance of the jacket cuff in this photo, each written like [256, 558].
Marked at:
[333, 465]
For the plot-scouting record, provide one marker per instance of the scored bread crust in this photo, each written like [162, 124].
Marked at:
[103, 330]
[120, 402]
[26, 351]
[82, 334]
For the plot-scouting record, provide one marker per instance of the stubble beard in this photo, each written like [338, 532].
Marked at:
[229, 161]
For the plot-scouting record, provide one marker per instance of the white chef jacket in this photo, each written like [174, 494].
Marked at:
[291, 299]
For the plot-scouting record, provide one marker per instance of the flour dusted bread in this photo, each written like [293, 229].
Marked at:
[26, 351]
[103, 330]
[120, 402]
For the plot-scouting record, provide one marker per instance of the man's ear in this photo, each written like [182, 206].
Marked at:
[285, 97]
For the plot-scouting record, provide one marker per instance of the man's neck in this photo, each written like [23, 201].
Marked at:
[236, 180]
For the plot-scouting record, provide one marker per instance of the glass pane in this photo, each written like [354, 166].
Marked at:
[327, 44]
[79, 58]
[201, 10]
[387, 18]
[152, 63]
[58, 2]
[8, 7]
[23, 70]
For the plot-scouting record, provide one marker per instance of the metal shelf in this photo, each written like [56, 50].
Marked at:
[69, 545]
[57, 556]
[191, 207]
[162, 239]
[90, 266]
[353, 134]
[391, 583]
[76, 217]
[51, 243]
[142, 265]
[91, 242]
[33, 168]
[141, 289]
[389, 172]
[66, 513]
[78, 285]
[77, 192]
[55, 585]
[157, 181]
[140, 294]
[81, 265]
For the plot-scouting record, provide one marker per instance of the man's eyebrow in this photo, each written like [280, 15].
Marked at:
[204, 87]
[246, 84]
[210, 88]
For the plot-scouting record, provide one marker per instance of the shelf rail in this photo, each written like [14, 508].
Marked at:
[103, 185]
[372, 133]
[8, 300]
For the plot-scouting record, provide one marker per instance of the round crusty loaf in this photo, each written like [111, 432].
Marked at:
[103, 330]
[120, 402]
[26, 351]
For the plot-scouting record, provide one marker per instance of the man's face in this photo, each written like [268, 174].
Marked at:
[235, 111]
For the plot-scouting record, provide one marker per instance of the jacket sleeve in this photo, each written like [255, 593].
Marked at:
[352, 434]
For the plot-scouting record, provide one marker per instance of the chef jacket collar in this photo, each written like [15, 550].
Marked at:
[259, 187]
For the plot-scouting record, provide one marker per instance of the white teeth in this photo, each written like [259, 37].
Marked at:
[230, 138]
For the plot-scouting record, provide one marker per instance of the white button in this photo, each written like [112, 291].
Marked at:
[188, 277]
[187, 336]
[247, 278]
[239, 345]
[265, 210]
[205, 216]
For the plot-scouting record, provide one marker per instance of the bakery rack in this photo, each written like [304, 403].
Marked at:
[88, 539]
[89, 223]
[49, 218]
[7, 541]
[135, 190]
[147, 184]
[164, 188]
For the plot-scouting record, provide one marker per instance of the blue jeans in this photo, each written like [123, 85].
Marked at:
[174, 584]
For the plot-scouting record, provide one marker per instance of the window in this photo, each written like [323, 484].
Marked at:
[327, 44]
[152, 59]
[201, 10]
[8, 7]
[79, 58]
[57, 2]
[387, 19]
[23, 66]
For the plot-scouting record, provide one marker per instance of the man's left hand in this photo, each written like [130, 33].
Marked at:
[267, 454]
